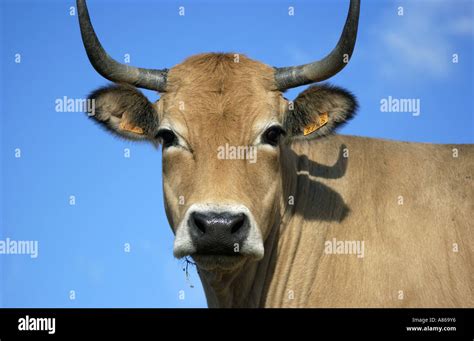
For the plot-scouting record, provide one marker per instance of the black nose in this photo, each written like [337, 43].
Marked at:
[218, 233]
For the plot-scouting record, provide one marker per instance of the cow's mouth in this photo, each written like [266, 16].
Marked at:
[219, 262]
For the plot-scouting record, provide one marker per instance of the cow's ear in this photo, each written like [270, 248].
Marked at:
[125, 111]
[318, 111]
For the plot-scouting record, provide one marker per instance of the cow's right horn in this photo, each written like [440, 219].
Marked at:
[109, 68]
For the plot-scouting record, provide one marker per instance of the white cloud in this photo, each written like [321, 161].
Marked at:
[421, 42]
[463, 26]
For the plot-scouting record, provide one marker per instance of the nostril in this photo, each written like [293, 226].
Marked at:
[220, 225]
[200, 223]
[237, 223]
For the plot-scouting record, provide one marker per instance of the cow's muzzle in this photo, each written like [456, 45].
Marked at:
[211, 233]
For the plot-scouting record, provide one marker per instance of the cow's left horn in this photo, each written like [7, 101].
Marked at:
[290, 77]
[108, 67]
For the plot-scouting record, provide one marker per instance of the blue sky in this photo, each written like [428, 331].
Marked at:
[118, 199]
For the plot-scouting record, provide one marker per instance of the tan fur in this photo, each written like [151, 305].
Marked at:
[408, 248]
[214, 99]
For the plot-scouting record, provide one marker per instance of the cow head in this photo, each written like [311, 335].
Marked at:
[223, 124]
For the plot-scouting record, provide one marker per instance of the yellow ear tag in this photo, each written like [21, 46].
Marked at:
[313, 126]
[131, 128]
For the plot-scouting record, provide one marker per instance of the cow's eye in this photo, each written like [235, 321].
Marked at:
[272, 135]
[167, 137]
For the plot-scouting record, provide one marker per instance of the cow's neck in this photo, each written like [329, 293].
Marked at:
[268, 282]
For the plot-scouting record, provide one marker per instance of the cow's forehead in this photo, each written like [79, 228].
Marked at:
[221, 91]
[218, 72]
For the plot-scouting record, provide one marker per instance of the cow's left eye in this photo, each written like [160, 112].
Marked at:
[272, 135]
[167, 137]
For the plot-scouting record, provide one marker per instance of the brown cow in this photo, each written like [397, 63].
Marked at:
[275, 210]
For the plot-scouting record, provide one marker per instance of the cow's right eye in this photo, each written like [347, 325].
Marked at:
[167, 137]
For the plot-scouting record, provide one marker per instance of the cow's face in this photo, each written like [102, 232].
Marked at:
[223, 125]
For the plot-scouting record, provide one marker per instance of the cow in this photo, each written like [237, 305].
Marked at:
[273, 207]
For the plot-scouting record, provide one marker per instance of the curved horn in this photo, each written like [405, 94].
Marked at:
[292, 76]
[108, 67]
